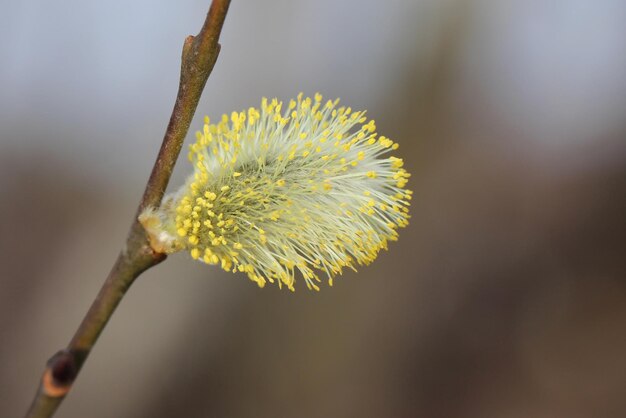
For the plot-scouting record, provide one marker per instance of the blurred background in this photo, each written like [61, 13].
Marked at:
[505, 297]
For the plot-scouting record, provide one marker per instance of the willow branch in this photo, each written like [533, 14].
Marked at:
[198, 58]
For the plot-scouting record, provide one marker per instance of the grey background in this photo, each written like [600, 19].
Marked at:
[505, 297]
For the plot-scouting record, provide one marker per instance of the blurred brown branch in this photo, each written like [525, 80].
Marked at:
[198, 58]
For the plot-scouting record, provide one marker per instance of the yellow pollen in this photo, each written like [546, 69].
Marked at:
[237, 212]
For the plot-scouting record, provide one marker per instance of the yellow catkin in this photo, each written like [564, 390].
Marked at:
[305, 187]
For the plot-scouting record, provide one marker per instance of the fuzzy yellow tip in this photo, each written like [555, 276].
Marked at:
[276, 190]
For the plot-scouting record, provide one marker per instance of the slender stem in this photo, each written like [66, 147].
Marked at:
[198, 58]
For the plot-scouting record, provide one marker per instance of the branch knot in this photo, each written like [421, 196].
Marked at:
[60, 374]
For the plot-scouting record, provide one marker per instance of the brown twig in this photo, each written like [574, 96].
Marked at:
[198, 58]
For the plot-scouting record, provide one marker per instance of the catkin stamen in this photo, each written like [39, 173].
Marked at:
[304, 187]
